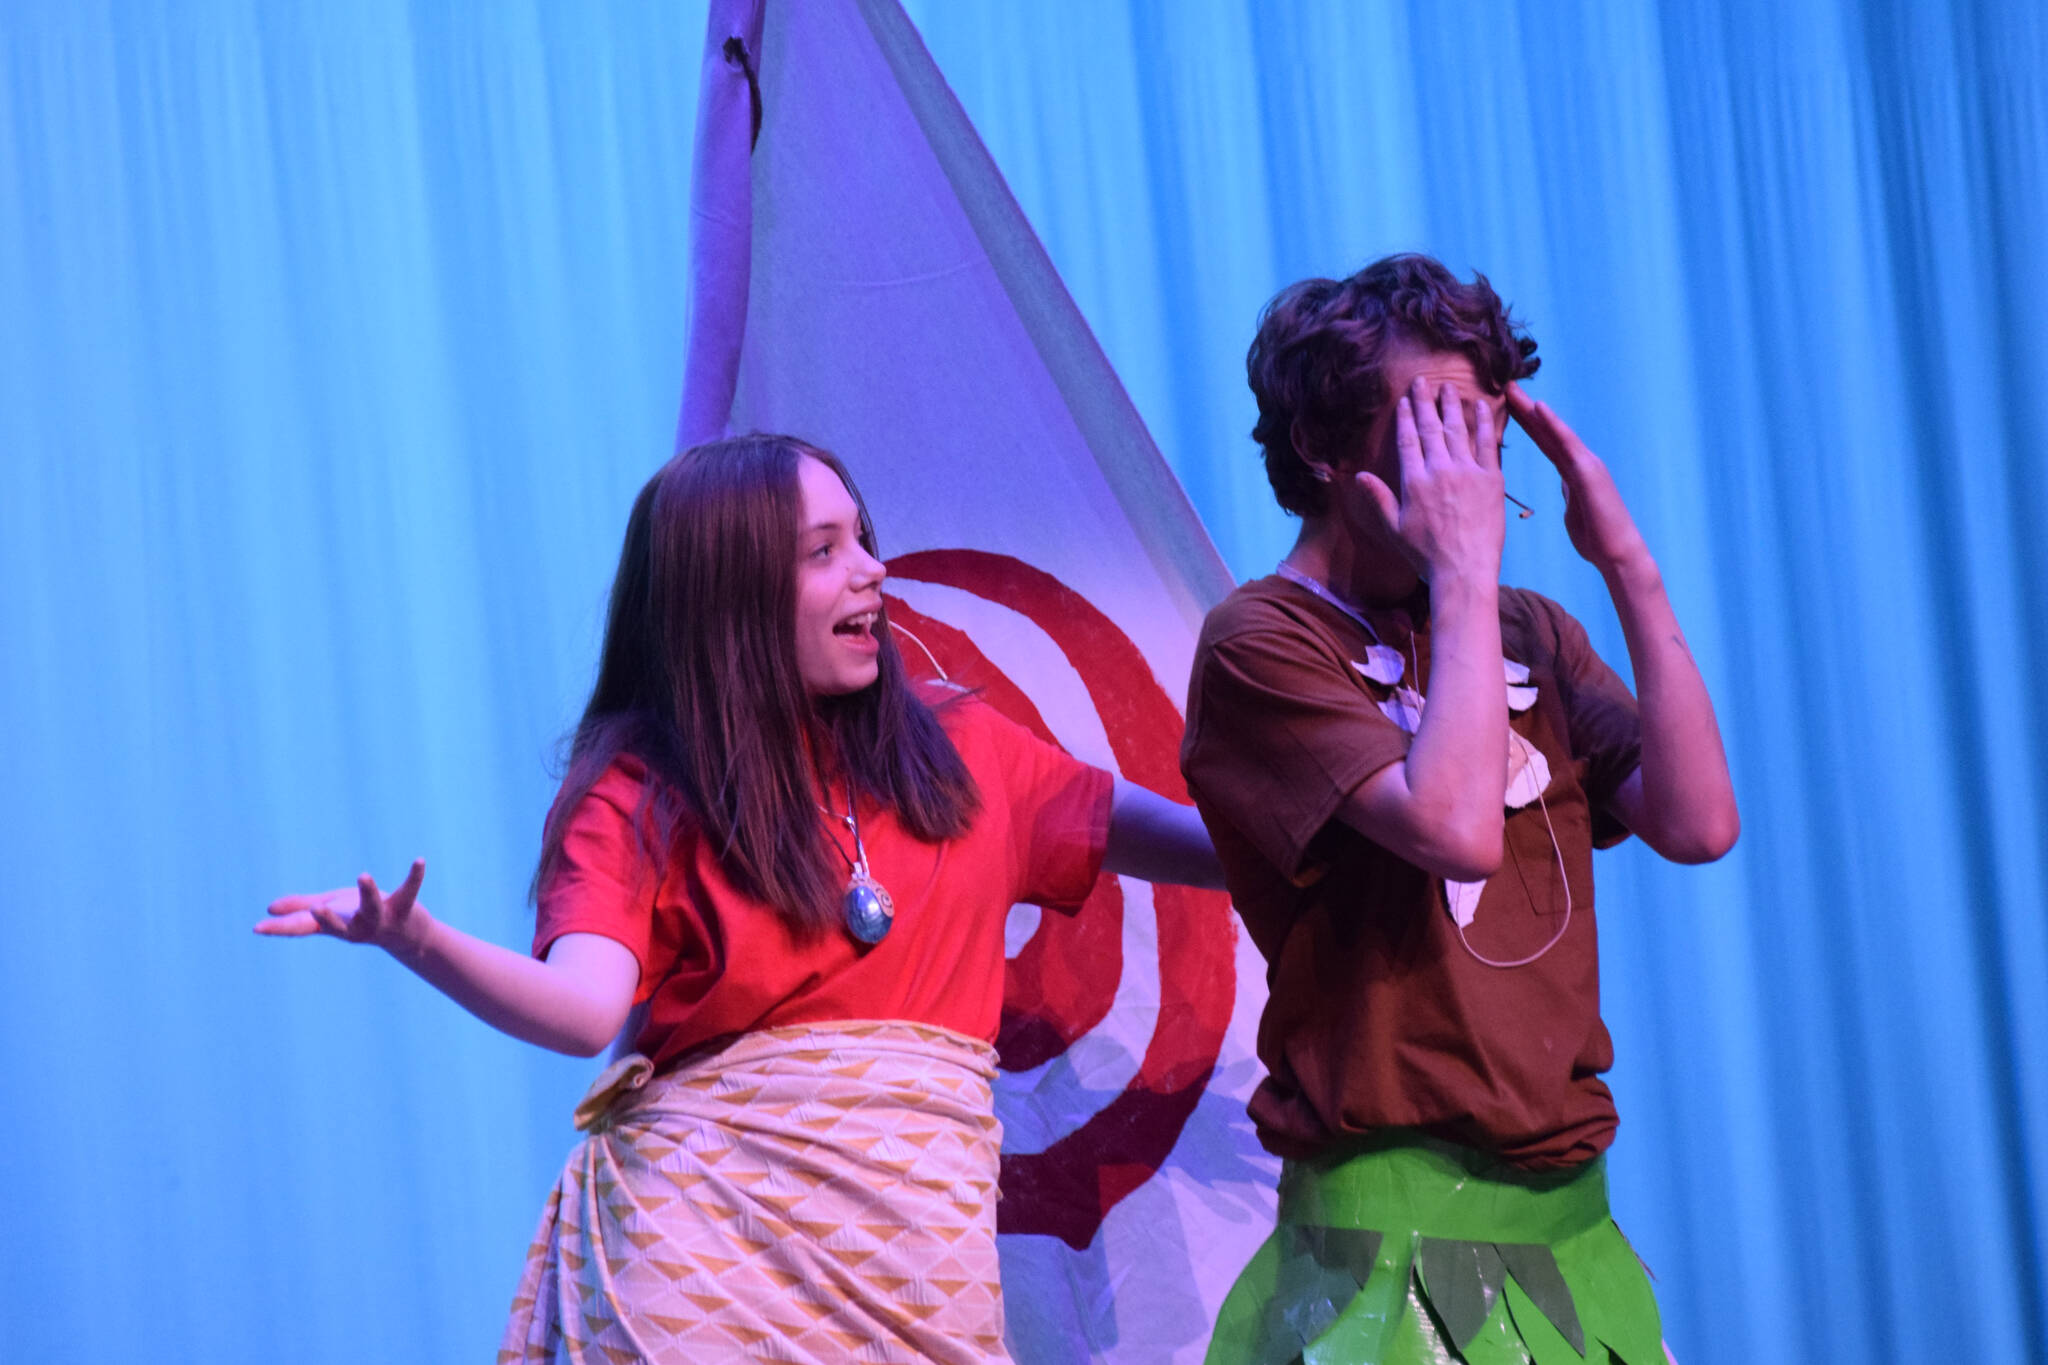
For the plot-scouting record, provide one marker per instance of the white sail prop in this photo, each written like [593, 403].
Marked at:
[864, 280]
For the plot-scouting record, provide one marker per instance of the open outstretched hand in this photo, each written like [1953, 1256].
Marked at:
[1598, 521]
[359, 914]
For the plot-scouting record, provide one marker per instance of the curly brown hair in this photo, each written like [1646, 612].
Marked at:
[1317, 363]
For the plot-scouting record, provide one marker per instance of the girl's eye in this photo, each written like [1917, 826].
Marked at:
[823, 551]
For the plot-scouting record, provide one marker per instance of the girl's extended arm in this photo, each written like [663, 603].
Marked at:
[572, 1002]
[1157, 840]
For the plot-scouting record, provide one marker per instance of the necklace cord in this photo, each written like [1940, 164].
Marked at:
[857, 862]
[1300, 579]
[1296, 576]
[1557, 851]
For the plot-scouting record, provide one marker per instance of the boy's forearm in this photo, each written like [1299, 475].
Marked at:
[1688, 800]
[1457, 766]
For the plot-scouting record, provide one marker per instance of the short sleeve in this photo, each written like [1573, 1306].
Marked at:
[1058, 813]
[1278, 736]
[601, 882]
[1606, 730]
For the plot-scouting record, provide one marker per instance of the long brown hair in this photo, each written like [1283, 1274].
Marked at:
[698, 679]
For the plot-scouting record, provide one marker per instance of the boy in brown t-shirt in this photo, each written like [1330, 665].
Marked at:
[1405, 768]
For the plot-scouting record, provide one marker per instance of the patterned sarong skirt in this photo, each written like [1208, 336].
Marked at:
[801, 1195]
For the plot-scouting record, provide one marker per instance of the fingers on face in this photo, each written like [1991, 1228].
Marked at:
[1485, 443]
[1557, 441]
[1529, 416]
[1451, 404]
[1380, 501]
[1429, 425]
[1520, 406]
[1442, 428]
[1407, 439]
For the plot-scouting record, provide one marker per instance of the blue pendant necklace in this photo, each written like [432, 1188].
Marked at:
[867, 905]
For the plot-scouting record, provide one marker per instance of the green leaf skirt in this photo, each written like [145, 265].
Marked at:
[1416, 1252]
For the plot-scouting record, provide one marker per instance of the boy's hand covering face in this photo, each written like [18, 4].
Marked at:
[1448, 517]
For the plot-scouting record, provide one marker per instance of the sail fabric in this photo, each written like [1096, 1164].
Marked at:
[863, 279]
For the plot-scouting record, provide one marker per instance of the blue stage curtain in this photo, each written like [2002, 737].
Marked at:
[334, 340]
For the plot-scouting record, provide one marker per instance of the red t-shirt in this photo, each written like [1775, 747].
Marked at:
[715, 962]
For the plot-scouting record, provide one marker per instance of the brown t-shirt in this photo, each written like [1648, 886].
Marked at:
[1378, 1016]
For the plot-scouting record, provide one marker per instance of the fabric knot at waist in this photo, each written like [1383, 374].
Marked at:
[843, 1065]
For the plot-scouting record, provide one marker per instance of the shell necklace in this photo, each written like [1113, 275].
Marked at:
[1384, 665]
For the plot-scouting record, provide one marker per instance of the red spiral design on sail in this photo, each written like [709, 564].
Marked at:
[1061, 985]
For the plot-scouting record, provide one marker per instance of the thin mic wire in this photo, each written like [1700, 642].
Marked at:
[936, 667]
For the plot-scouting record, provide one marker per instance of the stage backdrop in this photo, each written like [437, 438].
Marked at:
[334, 340]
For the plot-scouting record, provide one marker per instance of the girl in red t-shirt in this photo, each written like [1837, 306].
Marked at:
[798, 864]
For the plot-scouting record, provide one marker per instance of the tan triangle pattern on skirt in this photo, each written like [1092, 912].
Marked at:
[802, 1195]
